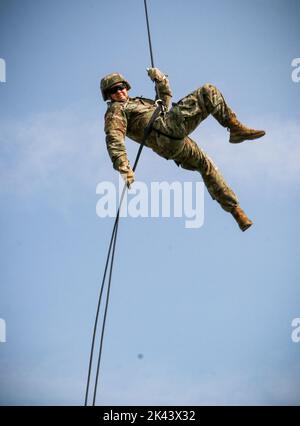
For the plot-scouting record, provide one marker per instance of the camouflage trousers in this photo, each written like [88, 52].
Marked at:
[191, 157]
[170, 140]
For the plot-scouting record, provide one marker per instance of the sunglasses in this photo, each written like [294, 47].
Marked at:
[115, 89]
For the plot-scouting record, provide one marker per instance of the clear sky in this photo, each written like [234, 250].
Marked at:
[210, 309]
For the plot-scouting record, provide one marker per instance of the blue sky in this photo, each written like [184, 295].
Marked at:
[211, 308]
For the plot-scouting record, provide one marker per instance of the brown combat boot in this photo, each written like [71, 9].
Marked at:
[240, 216]
[239, 132]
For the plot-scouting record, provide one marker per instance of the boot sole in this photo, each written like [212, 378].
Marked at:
[240, 139]
[244, 228]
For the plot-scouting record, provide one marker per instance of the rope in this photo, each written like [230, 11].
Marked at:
[149, 36]
[112, 242]
[111, 250]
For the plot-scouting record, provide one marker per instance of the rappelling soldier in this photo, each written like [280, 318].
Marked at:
[168, 136]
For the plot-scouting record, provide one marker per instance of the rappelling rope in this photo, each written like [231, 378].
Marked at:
[112, 247]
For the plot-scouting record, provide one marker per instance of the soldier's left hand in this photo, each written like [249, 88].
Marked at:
[129, 178]
[155, 74]
[127, 174]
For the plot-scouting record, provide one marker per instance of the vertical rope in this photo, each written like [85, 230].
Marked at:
[111, 252]
[149, 36]
[112, 243]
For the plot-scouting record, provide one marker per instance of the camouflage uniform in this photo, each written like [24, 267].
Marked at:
[169, 134]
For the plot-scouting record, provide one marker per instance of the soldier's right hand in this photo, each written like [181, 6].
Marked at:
[155, 74]
[127, 174]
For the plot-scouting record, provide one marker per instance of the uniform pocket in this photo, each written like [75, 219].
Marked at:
[166, 147]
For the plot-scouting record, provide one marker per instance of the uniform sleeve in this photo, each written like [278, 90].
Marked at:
[115, 129]
[164, 91]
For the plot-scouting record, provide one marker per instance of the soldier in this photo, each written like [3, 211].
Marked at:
[168, 137]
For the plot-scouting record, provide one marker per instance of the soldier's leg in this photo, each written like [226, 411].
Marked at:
[209, 100]
[192, 157]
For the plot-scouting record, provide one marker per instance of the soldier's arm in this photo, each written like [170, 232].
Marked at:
[162, 84]
[115, 129]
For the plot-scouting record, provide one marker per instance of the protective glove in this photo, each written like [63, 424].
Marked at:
[156, 75]
[127, 174]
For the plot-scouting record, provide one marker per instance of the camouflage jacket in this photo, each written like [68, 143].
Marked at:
[130, 118]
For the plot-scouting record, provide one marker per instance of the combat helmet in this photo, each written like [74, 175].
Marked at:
[109, 80]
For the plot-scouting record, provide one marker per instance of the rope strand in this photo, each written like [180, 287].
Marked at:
[149, 36]
[111, 250]
[100, 299]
